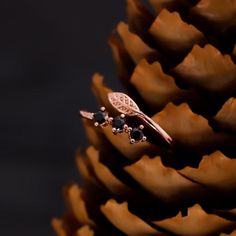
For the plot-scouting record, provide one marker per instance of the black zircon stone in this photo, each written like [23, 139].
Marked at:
[136, 134]
[99, 117]
[118, 123]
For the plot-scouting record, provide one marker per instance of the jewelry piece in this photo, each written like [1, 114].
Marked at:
[125, 105]
[118, 124]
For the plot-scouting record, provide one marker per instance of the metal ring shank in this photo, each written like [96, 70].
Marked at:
[156, 127]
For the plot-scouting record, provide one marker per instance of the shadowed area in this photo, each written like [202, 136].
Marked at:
[48, 52]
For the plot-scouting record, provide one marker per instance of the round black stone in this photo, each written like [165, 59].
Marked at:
[118, 122]
[136, 134]
[99, 117]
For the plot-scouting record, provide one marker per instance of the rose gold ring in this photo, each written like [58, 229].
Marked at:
[127, 107]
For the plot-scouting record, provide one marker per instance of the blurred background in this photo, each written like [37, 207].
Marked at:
[49, 50]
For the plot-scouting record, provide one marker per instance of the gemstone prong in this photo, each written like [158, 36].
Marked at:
[144, 138]
[141, 127]
[132, 141]
[126, 127]
[96, 124]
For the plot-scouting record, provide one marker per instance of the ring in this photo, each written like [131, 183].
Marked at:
[118, 124]
[127, 107]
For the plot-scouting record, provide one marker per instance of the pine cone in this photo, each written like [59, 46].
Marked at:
[178, 64]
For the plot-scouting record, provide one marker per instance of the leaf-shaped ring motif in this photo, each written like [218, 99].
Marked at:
[123, 103]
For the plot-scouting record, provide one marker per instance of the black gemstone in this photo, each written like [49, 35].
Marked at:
[136, 134]
[99, 117]
[118, 122]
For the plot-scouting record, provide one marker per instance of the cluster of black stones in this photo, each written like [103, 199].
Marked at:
[118, 123]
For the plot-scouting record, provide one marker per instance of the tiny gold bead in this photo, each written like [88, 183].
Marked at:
[132, 141]
[141, 127]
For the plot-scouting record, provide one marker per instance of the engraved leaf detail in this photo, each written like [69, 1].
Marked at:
[123, 103]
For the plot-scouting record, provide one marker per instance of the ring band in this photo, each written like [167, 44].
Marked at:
[127, 107]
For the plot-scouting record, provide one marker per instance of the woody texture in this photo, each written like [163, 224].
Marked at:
[176, 60]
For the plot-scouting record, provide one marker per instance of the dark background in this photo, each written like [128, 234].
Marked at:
[49, 50]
